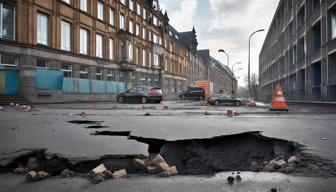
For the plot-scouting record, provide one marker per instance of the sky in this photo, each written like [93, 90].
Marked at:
[225, 24]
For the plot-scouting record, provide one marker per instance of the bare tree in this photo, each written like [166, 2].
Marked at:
[254, 80]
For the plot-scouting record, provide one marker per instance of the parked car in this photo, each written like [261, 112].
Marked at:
[193, 93]
[222, 98]
[142, 94]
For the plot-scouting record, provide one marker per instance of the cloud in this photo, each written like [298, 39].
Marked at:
[231, 24]
[182, 18]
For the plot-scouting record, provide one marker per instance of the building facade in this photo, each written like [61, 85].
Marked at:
[299, 52]
[69, 50]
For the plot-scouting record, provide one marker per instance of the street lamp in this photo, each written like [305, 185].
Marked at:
[228, 58]
[249, 60]
[233, 75]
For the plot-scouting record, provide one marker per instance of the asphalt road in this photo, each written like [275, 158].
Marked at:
[48, 128]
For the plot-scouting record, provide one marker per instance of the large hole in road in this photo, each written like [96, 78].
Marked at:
[195, 156]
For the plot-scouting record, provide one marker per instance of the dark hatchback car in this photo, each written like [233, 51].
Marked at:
[193, 93]
[142, 94]
[222, 98]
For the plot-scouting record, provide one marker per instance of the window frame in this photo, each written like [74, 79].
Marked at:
[86, 51]
[112, 17]
[86, 9]
[122, 22]
[100, 10]
[47, 29]
[67, 71]
[70, 36]
[101, 48]
[85, 72]
[1, 22]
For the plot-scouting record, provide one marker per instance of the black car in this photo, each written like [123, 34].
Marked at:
[222, 98]
[193, 93]
[142, 94]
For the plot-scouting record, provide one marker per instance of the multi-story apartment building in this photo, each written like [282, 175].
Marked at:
[66, 50]
[299, 52]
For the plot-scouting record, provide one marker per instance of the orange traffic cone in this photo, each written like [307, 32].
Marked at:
[278, 100]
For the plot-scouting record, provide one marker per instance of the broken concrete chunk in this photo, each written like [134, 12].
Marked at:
[151, 170]
[31, 176]
[161, 167]
[119, 174]
[20, 170]
[97, 179]
[171, 171]
[254, 166]
[139, 164]
[157, 160]
[108, 174]
[292, 159]
[42, 175]
[67, 173]
[269, 167]
[100, 169]
[238, 178]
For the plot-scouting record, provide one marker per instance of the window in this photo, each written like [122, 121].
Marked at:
[137, 55]
[84, 39]
[144, 14]
[122, 22]
[122, 1]
[317, 36]
[42, 63]
[143, 57]
[84, 72]
[333, 25]
[301, 16]
[111, 43]
[130, 52]
[156, 60]
[138, 9]
[316, 3]
[66, 1]
[84, 5]
[67, 70]
[130, 26]
[65, 36]
[110, 75]
[100, 10]
[137, 30]
[144, 33]
[131, 5]
[155, 38]
[99, 74]
[149, 36]
[42, 29]
[149, 59]
[99, 46]
[111, 17]
[7, 22]
[155, 21]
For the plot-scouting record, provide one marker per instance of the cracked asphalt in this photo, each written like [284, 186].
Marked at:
[48, 128]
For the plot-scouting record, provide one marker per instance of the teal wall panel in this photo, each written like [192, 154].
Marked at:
[49, 79]
[121, 87]
[111, 87]
[9, 81]
[98, 86]
[84, 85]
[68, 85]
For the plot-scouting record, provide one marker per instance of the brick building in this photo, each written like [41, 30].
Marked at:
[68, 50]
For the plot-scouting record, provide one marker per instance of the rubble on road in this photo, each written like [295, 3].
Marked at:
[12, 104]
[68, 173]
[120, 174]
[156, 160]
[98, 170]
[171, 171]
[139, 164]
[231, 113]
[36, 176]
[1, 108]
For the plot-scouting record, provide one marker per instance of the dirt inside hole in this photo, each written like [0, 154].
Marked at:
[112, 133]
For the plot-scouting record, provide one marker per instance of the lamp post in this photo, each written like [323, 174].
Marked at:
[249, 61]
[233, 75]
[228, 58]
